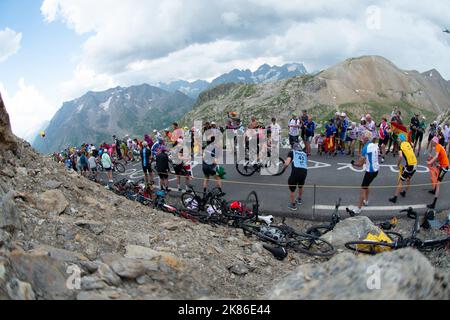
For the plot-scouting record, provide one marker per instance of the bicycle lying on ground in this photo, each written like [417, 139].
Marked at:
[283, 235]
[322, 229]
[397, 240]
[211, 201]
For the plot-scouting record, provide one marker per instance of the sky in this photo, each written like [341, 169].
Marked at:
[53, 51]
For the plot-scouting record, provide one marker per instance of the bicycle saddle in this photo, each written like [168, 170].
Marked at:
[279, 253]
[267, 219]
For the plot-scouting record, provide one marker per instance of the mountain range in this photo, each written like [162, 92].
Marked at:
[96, 116]
[368, 84]
[355, 86]
[264, 74]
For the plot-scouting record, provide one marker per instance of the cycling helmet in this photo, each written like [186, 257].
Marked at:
[236, 205]
[402, 137]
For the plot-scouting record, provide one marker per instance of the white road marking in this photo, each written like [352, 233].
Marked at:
[392, 167]
[318, 164]
[372, 208]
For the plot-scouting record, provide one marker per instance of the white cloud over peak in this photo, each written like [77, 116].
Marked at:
[136, 41]
[9, 43]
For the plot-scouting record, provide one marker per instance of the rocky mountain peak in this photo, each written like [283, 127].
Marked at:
[7, 139]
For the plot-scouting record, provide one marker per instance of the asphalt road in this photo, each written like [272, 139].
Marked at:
[329, 178]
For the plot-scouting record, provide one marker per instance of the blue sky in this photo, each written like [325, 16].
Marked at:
[48, 52]
[53, 51]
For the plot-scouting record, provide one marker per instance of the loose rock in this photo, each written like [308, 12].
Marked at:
[53, 202]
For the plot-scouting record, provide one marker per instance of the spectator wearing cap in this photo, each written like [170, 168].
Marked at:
[299, 160]
[368, 159]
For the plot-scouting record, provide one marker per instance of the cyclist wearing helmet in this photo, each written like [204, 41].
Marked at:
[406, 152]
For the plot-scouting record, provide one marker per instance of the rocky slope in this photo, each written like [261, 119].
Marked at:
[65, 237]
[366, 84]
[96, 116]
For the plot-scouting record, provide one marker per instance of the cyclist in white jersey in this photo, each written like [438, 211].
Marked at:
[368, 159]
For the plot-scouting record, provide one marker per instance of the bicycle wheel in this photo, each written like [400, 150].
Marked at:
[430, 245]
[245, 168]
[369, 247]
[277, 168]
[120, 167]
[319, 230]
[311, 245]
[252, 202]
[190, 201]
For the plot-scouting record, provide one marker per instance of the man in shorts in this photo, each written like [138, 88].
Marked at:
[162, 166]
[146, 156]
[406, 152]
[93, 166]
[310, 127]
[182, 168]
[107, 165]
[294, 125]
[368, 159]
[209, 166]
[299, 161]
[441, 157]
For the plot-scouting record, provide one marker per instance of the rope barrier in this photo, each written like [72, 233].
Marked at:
[305, 186]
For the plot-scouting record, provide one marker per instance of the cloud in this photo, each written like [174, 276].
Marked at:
[9, 43]
[85, 79]
[28, 109]
[136, 41]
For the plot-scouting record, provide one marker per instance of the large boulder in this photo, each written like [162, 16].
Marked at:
[400, 274]
[350, 229]
[53, 202]
[10, 218]
[47, 276]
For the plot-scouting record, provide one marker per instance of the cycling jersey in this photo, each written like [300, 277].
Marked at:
[370, 152]
[145, 157]
[299, 159]
[408, 153]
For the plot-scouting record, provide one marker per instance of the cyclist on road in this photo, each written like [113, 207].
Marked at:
[299, 160]
[369, 159]
[441, 157]
[406, 152]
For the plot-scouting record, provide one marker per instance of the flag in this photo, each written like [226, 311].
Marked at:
[398, 128]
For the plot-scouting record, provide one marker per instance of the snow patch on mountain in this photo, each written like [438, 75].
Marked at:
[105, 105]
